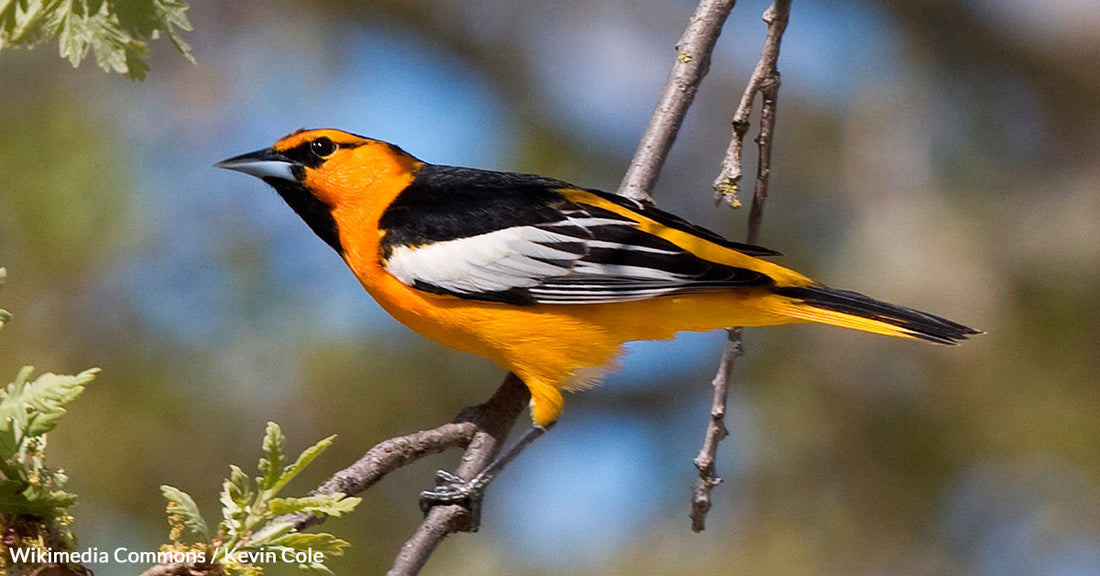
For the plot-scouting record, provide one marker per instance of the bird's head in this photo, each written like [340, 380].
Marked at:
[332, 179]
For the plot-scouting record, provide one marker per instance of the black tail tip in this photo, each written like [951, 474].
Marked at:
[949, 337]
[920, 325]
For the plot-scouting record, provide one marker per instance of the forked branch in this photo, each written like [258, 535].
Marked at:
[765, 81]
[493, 419]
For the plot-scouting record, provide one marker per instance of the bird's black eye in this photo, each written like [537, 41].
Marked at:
[322, 147]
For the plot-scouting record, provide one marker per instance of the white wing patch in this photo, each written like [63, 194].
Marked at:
[584, 258]
[495, 262]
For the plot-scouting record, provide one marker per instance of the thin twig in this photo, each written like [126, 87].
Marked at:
[716, 432]
[769, 96]
[388, 456]
[765, 80]
[692, 63]
[726, 185]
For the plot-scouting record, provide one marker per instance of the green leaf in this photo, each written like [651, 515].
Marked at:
[28, 410]
[116, 31]
[33, 408]
[254, 519]
[327, 504]
[34, 499]
[303, 460]
[182, 506]
[11, 494]
[173, 13]
[47, 396]
[322, 542]
[72, 38]
[272, 465]
[316, 568]
[271, 531]
[13, 415]
[41, 501]
[236, 499]
[115, 49]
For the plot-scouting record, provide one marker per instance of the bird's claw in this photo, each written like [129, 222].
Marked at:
[451, 489]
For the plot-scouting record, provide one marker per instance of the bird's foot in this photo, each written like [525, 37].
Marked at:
[451, 489]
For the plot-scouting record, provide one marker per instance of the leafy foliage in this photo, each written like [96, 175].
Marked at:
[116, 30]
[28, 410]
[32, 502]
[34, 510]
[253, 521]
[183, 514]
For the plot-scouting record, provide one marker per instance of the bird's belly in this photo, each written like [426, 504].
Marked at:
[542, 339]
[552, 341]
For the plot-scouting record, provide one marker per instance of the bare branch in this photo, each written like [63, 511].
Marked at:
[692, 63]
[765, 80]
[390, 455]
[494, 419]
[766, 72]
[769, 95]
[716, 432]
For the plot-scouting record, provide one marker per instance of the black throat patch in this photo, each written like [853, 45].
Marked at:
[316, 214]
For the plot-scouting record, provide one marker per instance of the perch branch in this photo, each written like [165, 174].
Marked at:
[481, 429]
[765, 81]
[494, 419]
[390, 455]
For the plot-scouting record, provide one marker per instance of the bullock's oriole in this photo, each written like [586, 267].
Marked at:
[545, 278]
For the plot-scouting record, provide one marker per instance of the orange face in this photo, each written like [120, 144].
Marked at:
[349, 173]
[338, 182]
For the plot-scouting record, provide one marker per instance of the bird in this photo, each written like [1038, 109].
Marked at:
[545, 278]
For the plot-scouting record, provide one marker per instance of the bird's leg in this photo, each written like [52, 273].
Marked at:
[450, 489]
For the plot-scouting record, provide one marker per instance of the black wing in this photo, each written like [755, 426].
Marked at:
[514, 238]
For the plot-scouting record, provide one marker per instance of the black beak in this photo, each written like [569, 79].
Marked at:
[263, 164]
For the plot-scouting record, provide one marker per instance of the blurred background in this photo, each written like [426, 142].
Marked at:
[943, 155]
